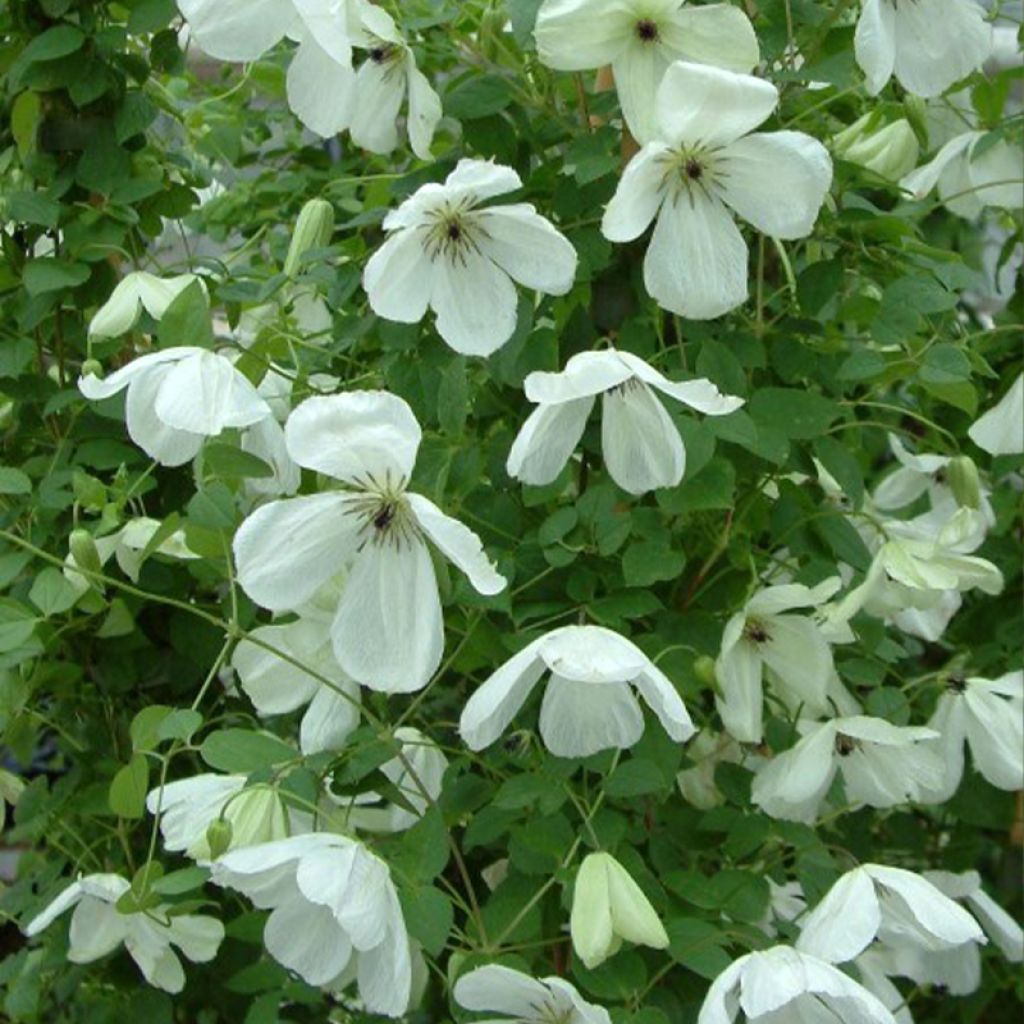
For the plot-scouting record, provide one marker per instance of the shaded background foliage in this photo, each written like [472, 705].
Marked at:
[117, 153]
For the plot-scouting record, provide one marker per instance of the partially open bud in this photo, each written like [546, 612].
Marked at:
[84, 551]
[964, 482]
[608, 907]
[218, 837]
[313, 230]
[890, 152]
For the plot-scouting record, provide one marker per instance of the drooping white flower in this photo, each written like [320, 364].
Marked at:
[642, 447]
[176, 398]
[417, 774]
[782, 986]
[98, 928]
[882, 765]
[966, 182]
[987, 715]
[189, 806]
[703, 167]
[277, 685]
[608, 907]
[383, 82]
[927, 44]
[791, 647]
[1000, 431]
[892, 904]
[134, 293]
[640, 39]
[448, 253]
[387, 629]
[1000, 926]
[332, 902]
[589, 704]
[526, 1000]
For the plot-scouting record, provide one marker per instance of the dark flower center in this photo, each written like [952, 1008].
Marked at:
[454, 231]
[382, 520]
[956, 684]
[379, 54]
[693, 170]
[757, 633]
[845, 745]
[646, 30]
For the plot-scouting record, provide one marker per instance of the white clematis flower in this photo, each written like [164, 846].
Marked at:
[176, 398]
[896, 906]
[98, 928]
[783, 986]
[589, 704]
[882, 765]
[1000, 431]
[448, 253]
[927, 44]
[987, 715]
[967, 183]
[642, 447]
[1000, 926]
[387, 629]
[640, 39]
[189, 806]
[792, 648]
[609, 907]
[383, 82]
[703, 167]
[277, 686]
[334, 909]
[526, 1000]
[134, 293]
[239, 30]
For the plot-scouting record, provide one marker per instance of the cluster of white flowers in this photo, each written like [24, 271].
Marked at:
[350, 572]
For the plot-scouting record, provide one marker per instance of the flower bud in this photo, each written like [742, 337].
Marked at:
[218, 837]
[92, 368]
[84, 551]
[917, 115]
[313, 230]
[607, 907]
[890, 152]
[704, 670]
[964, 482]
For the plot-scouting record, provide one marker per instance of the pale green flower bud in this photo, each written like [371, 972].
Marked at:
[609, 907]
[254, 816]
[84, 551]
[890, 152]
[964, 482]
[218, 837]
[313, 230]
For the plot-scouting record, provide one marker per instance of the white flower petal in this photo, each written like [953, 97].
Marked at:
[1000, 431]
[97, 928]
[641, 445]
[287, 550]
[874, 43]
[995, 733]
[399, 277]
[800, 657]
[997, 176]
[546, 441]
[573, 35]
[793, 783]
[500, 990]
[388, 633]
[361, 437]
[845, 922]
[740, 706]
[276, 686]
[528, 248]
[717, 34]
[698, 104]
[592, 654]
[638, 196]
[664, 700]
[585, 374]
[920, 182]
[424, 112]
[699, 394]
[96, 389]
[459, 544]
[696, 264]
[475, 302]
[239, 30]
[329, 719]
[638, 72]
[580, 719]
[381, 88]
[482, 179]
[198, 936]
[164, 444]
[135, 292]
[321, 92]
[306, 939]
[333, 23]
[777, 181]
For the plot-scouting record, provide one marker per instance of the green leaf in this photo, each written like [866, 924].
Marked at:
[424, 852]
[145, 725]
[33, 208]
[52, 593]
[50, 274]
[697, 945]
[180, 724]
[843, 465]
[793, 412]
[714, 487]
[945, 364]
[636, 777]
[478, 96]
[429, 917]
[230, 463]
[127, 796]
[54, 43]
[186, 321]
[181, 881]
[240, 750]
[14, 481]
[649, 561]
[453, 398]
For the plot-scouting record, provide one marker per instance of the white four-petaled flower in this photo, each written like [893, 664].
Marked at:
[589, 704]
[448, 253]
[526, 1000]
[387, 630]
[640, 39]
[703, 167]
[642, 447]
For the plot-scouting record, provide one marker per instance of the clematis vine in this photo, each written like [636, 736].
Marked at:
[449, 253]
[176, 398]
[98, 927]
[703, 166]
[927, 44]
[387, 629]
[589, 703]
[526, 1000]
[642, 447]
[640, 39]
[335, 916]
[882, 765]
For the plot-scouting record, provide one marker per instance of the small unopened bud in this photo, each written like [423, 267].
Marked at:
[92, 368]
[704, 670]
[84, 551]
[218, 837]
[890, 151]
[964, 482]
[313, 230]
